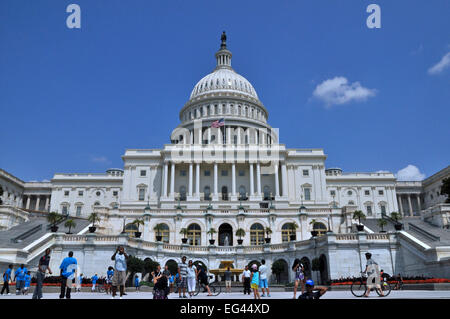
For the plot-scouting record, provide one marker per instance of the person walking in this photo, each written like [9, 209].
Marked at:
[227, 276]
[203, 279]
[299, 270]
[263, 283]
[19, 278]
[94, 282]
[27, 283]
[246, 280]
[43, 267]
[120, 271]
[167, 273]
[6, 279]
[254, 280]
[191, 278]
[373, 273]
[182, 277]
[67, 274]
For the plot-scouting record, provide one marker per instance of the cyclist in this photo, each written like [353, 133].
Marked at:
[399, 284]
[373, 273]
[312, 292]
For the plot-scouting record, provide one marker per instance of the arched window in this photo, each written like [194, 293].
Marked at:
[320, 228]
[194, 235]
[164, 232]
[207, 192]
[242, 193]
[256, 234]
[286, 233]
[182, 193]
[130, 229]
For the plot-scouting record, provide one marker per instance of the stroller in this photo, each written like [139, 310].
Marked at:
[161, 289]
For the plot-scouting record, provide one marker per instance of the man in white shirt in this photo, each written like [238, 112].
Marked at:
[191, 278]
[263, 278]
[246, 280]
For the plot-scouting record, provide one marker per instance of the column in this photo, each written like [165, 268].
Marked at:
[38, 200]
[277, 185]
[418, 203]
[400, 205]
[258, 179]
[190, 179]
[47, 201]
[28, 202]
[172, 180]
[216, 194]
[233, 179]
[410, 206]
[284, 180]
[166, 173]
[197, 180]
[252, 185]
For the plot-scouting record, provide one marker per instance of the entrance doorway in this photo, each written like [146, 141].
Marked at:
[225, 235]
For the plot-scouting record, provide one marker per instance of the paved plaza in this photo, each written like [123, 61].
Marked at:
[406, 294]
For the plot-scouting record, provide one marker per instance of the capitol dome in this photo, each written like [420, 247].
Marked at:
[223, 79]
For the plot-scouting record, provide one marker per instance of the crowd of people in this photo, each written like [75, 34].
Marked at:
[183, 281]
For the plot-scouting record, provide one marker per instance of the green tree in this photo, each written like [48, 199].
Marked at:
[240, 233]
[211, 232]
[138, 222]
[134, 265]
[445, 188]
[159, 228]
[278, 267]
[70, 223]
[94, 218]
[268, 231]
[149, 265]
[53, 218]
[381, 223]
[358, 215]
[396, 216]
[184, 232]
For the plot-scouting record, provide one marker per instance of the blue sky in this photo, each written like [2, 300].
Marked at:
[74, 100]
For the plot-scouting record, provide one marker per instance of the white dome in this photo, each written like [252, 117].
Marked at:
[223, 80]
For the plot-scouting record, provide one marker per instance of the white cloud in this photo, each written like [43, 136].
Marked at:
[338, 91]
[100, 159]
[441, 65]
[410, 173]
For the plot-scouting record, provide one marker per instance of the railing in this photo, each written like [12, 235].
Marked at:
[424, 233]
[346, 237]
[26, 234]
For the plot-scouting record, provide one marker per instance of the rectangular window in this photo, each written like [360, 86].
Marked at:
[66, 193]
[208, 173]
[143, 173]
[380, 192]
[307, 194]
[333, 193]
[224, 172]
[80, 193]
[183, 172]
[383, 209]
[367, 193]
[305, 172]
[65, 210]
[141, 193]
[115, 193]
[369, 210]
[241, 172]
[78, 210]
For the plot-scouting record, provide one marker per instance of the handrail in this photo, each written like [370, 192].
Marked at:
[423, 232]
[26, 234]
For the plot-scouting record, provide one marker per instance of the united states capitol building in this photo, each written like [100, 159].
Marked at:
[226, 169]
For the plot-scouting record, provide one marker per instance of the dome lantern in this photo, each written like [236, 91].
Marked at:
[223, 56]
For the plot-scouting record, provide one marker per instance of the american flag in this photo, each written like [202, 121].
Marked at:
[218, 123]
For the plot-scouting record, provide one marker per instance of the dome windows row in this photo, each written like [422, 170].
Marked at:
[224, 109]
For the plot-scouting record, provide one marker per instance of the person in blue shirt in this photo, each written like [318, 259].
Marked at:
[109, 276]
[136, 282]
[94, 281]
[19, 278]
[27, 283]
[67, 267]
[6, 279]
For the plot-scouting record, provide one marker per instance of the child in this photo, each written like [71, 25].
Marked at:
[136, 283]
[27, 283]
[254, 280]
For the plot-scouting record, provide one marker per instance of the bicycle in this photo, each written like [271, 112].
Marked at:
[359, 287]
[214, 287]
